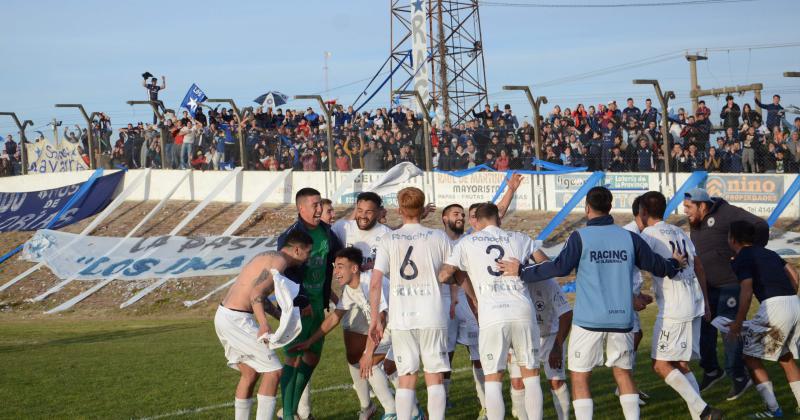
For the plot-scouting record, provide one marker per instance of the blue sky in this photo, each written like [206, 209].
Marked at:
[93, 52]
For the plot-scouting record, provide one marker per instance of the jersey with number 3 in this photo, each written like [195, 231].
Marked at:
[677, 297]
[500, 298]
[411, 257]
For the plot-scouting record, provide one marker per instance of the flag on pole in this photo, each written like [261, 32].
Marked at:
[194, 97]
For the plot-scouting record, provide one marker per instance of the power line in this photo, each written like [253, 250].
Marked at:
[608, 5]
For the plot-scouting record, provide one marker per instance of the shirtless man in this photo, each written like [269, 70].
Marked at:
[241, 321]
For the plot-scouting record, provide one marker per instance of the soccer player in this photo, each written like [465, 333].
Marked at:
[462, 326]
[355, 298]
[605, 256]
[554, 316]
[773, 333]
[505, 309]
[314, 278]
[328, 213]
[363, 232]
[681, 305]
[636, 226]
[241, 320]
[412, 256]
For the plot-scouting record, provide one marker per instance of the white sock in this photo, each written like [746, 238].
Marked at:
[266, 407]
[795, 386]
[561, 401]
[584, 408]
[437, 402]
[682, 386]
[360, 385]
[241, 408]
[630, 405]
[477, 374]
[768, 395]
[404, 401]
[395, 380]
[304, 405]
[692, 380]
[380, 385]
[518, 403]
[534, 400]
[495, 407]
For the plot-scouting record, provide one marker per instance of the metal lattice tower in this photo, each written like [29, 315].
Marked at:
[457, 68]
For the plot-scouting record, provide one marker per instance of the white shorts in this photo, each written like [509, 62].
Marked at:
[355, 321]
[775, 329]
[586, 349]
[463, 330]
[495, 341]
[385, 346]
[675, 341]
[430, 345]
[546, 344]
[238, 332]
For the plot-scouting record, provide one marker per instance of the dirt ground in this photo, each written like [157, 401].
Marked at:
[168, 299]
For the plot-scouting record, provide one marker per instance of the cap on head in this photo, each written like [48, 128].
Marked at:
[698, 195]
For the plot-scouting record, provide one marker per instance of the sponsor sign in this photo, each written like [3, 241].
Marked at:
[758, 194]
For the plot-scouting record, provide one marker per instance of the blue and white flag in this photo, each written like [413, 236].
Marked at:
[194, 97]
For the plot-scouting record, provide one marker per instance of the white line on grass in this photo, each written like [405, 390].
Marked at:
[187, 411]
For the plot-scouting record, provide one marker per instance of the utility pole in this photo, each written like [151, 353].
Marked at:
[89, 132]
[328, 110]
[23, 153]
[426, 138]
[663, 99]
[535, 104]
[443, 66]
[327, 55]
[696, 93]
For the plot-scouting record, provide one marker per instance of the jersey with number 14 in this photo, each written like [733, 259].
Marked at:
[500, 298]
[679, 298]
[411, 257]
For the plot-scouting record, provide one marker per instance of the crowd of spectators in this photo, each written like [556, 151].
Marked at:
[602, 137]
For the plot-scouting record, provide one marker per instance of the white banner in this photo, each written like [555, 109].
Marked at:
[419, 50]
[43, 157]
[97, 257]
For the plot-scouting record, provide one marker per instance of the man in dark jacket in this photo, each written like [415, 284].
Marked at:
[314, 277]
[775, 112]
[710, 219]
[730, 115]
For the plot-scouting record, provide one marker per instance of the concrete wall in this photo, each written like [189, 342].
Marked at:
[759, 193]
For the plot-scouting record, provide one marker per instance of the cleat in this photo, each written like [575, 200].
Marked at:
[368, 412]
[766, 414]
[482, 414]
[710, 413]
[739, 387]
[389, 416]
[710, 380]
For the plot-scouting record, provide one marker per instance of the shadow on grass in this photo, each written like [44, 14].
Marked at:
[98, 337]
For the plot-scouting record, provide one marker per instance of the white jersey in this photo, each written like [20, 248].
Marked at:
[411, 257]
[358, 298]
[500, 298]
[365, 240]
[446, 287]
[550, 303]
[677, 297]
[637, 274]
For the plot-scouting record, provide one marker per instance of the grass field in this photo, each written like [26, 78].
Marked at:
[128, 368]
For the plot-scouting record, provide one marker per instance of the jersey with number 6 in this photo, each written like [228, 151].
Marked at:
[411, 257]
[500, 298]
[677, 297]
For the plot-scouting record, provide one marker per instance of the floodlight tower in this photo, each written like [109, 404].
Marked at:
[453, 53]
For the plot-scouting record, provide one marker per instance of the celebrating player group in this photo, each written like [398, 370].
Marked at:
[407, 296]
